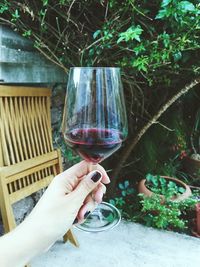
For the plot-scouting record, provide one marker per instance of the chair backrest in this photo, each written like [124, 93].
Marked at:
[25, 122]
[25, 131]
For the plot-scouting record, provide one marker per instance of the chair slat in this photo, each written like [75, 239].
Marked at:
[31, 127]
[48, 122]
[33, 108]
[32, 188]
[12, 91]
[23, 144]
[5, 150]
[28, 164]
[5, 119]
[45, 141]
[19, 175]
[44, 122]
[37, 133]
[12, 126]
[1, 148]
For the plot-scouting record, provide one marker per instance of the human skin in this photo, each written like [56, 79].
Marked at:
[70, 196]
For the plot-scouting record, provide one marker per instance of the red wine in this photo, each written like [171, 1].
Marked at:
[94, 144]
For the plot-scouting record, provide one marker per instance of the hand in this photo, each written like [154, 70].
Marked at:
[71, 195]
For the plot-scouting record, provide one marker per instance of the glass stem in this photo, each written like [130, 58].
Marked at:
[97, 210]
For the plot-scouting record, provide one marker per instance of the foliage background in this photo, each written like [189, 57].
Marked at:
[156, 44]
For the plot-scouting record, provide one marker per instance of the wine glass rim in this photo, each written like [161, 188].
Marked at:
[94, 68]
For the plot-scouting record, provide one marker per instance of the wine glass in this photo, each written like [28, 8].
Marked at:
[94, 125]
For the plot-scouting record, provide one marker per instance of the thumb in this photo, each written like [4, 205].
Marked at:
[88, 184]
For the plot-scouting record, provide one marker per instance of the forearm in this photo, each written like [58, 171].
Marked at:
[22, 244]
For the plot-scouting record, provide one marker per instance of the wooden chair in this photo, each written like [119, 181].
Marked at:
[28, 161]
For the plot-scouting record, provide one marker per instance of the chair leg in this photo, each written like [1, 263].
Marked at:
[69, 236]
[8, 222]
[6, 211]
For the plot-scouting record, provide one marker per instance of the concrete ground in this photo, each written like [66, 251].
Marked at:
[128, 245]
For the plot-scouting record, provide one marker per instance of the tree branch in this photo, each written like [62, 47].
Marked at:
[137, 138]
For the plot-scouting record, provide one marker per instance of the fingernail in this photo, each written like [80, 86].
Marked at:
[86, 214]
[75, 221]
[96, 176]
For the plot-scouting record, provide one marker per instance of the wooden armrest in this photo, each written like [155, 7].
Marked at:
[28, 164]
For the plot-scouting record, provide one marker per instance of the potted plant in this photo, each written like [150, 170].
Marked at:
[169, 215]
[166, 203]
[164, 186]
[192, 162]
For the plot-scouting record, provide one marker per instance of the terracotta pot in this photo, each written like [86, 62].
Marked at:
[144, 190]
[192, 167]
[196, 232]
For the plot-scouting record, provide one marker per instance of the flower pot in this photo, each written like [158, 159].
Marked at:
[196, 231]
[144, 190]
[192, 167]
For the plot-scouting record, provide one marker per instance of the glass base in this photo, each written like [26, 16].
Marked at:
[103, 218]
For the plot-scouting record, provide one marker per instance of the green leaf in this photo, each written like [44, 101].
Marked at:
[91, 52]
[177, 56]
[15, 16]
[161, 14]
[126, 184]
[109, 218]
[45, 2]
[27, 33]
[141, 63]
[62, 2]
[112, 201]
[163, 181]
[132, 33]
[171, 184]
[130, 191]
[138, 49]
[166, 39]
[149, 177]
[119, 201]
[181, 190]
[165, 3]
[37, 44]
[120, 39]
[121, 186]
[123, 193]
[186, 6]
[95, 34]
[3, 7]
